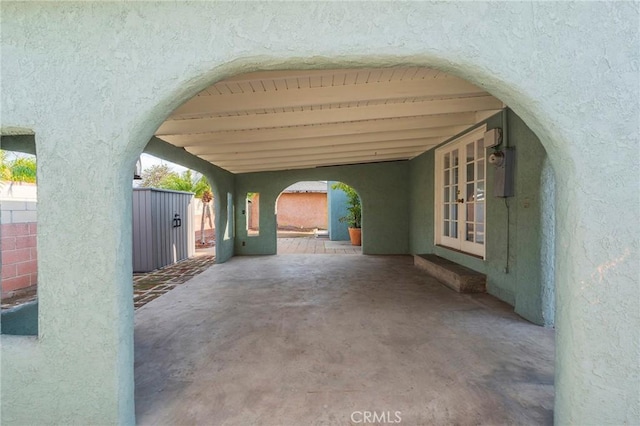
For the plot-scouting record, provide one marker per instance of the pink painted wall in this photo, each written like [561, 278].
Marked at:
[19, 256]
[295, 210]
[302, 210]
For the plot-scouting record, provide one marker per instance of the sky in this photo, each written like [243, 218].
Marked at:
[12, 155]
[149, 161]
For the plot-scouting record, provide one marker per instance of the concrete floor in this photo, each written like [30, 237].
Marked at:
[309, 340]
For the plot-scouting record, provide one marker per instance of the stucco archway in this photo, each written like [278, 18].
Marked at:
[311, 210]
[574, 95]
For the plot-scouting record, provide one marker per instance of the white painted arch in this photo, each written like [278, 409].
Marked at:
[94, 81]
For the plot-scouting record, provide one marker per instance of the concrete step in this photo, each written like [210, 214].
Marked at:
[453, 275]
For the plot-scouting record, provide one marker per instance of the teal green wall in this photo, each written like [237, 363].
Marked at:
[421, 214]
[337, 206]
[522, 285]
[528, 221]
[381, 186]
[21, 320]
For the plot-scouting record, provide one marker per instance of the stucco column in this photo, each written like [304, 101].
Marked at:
[85, 285]
[598, 310]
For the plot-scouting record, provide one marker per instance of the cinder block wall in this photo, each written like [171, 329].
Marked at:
[18, 230]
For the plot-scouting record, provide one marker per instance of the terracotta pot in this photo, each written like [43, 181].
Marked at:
[356, 236]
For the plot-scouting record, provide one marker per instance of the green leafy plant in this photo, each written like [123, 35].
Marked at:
[24, 170]
[5, 170]
[185, 182]
[161, 176]
[20, 169]
[354, 206]
[154, 175]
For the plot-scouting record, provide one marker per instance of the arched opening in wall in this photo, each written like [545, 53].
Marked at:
[252, 210]
[18, 232]
[301, 210]
[173, 227]
[304, 219]
[399, 135]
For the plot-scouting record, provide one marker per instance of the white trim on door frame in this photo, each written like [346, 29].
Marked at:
[463, 191]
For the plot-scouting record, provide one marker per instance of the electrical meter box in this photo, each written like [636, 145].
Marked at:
[504, 175]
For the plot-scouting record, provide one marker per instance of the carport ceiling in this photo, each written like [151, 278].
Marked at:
[279, 120]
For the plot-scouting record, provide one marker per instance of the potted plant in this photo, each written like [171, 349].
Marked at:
[353, 219]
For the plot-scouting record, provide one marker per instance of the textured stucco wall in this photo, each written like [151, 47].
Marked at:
[548, 239]
[95, 80]
[528, 221]
[421, 214]
[381, 186]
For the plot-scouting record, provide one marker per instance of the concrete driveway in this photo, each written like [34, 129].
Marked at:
[325, 340]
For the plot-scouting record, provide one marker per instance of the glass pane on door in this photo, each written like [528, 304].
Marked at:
[480, 234]
[470, 231]
[474, 192]
[450, 194]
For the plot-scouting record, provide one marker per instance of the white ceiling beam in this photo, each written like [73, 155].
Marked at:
[414, 144]
[438, 134]
[312, 164]
[320, 162]
[328, 160]
[483, 115]
[334, 115]
[228, 103]
[387, 125]
[304, 156]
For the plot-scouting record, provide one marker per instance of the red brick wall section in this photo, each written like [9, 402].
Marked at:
[19, 256]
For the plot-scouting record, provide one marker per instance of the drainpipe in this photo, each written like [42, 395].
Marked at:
[505, 141]
[505, 128]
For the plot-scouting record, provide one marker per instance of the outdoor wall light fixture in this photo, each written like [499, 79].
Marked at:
[177, 222]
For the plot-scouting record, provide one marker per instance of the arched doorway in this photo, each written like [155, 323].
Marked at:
[566, 93]
[311, 219]
[395, 180]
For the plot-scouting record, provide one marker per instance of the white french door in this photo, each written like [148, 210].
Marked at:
[460, 193]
